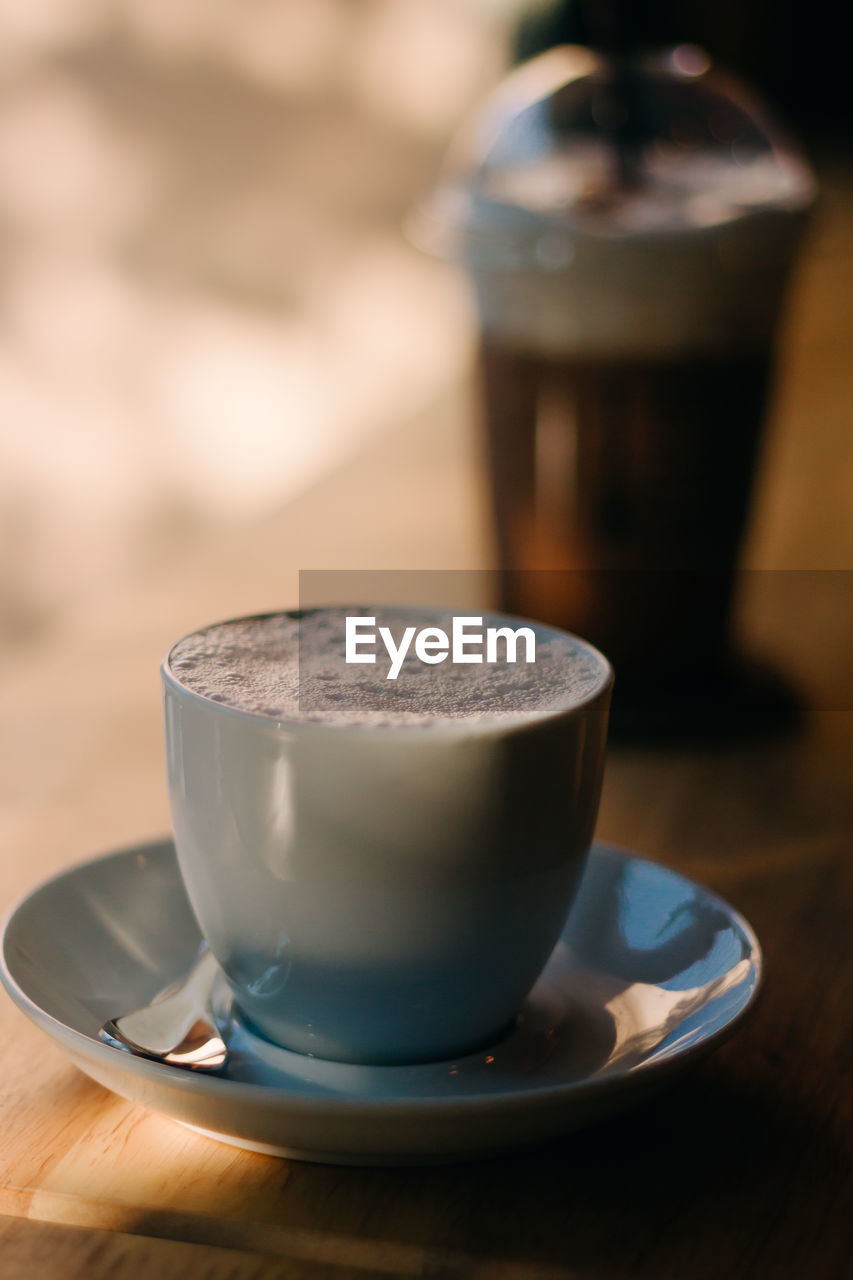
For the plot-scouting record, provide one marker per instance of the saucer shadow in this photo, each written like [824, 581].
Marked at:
[695, 1183]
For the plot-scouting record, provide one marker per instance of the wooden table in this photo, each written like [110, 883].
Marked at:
[740, 1170]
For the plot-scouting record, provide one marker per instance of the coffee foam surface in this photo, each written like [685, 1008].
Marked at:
[291, 666]
[704, 289]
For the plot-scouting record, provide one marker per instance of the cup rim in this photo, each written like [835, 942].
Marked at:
[462, 728]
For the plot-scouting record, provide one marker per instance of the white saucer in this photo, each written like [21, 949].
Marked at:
[652, 971]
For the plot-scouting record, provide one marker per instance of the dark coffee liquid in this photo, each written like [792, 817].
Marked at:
[620, 490]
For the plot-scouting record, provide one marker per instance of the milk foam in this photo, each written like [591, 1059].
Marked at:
[292, 667]
[707, 289]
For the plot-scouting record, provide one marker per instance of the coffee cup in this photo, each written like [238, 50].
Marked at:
[383, 861]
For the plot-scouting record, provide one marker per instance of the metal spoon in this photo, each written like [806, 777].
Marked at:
[177, 1027]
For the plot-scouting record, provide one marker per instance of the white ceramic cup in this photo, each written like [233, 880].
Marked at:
[379, 893]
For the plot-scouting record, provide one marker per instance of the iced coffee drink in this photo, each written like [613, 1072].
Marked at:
[629, 246]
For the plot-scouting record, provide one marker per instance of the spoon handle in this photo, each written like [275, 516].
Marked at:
[177, 1027]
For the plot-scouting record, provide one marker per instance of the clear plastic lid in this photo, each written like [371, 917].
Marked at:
[575, 144]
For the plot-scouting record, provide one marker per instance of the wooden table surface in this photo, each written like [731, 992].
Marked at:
[741, 1169]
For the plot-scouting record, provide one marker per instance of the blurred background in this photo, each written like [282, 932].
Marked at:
[209, 310]
[207, 300]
